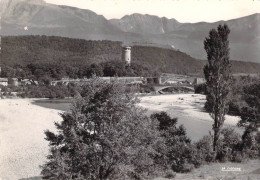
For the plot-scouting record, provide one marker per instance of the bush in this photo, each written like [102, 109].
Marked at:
[170, 174]
[181, 155]
[250, 116]
[257, 138]
[201, 89]
[234, 108]
[147, 88]
[237, 156]
[205, 149]
[250, 145]
[232, 147]
[165, 121]
[229, 145]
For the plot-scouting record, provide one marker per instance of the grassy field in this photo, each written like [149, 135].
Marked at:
[249, 171]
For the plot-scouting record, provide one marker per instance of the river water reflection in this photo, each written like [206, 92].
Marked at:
[59, 104]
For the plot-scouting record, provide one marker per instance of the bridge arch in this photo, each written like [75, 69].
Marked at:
[160, 88]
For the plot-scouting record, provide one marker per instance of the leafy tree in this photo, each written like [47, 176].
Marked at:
[45, 79]
[105, 136]
[165, 121]
[250, 115]
[94, 69]
[218, 76]
[114, 68]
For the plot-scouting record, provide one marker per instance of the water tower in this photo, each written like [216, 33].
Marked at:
[126, 55]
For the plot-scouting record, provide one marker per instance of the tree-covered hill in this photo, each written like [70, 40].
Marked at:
[76, 54]
[49, 49]
[166, 60]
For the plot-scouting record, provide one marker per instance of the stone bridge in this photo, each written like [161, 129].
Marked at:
[162, 87]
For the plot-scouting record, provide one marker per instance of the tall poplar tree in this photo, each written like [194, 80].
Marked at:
[218, 77]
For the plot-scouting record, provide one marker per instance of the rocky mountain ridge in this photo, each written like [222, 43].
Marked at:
[35, 17]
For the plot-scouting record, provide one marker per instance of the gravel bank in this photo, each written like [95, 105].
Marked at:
[22, 144]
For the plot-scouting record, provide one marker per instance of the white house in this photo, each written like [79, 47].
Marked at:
[4, 81]
[198, 81]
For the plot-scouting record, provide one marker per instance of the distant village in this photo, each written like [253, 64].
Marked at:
[164, 79]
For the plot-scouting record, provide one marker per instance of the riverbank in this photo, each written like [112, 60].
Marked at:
[188, 108]
[22, 145]
[22, 124]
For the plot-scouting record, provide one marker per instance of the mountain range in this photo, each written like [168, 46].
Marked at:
[36, 17]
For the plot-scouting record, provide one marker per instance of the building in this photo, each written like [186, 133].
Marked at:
[126, 55]
[4, 81]
[15, 82]
[24, 82]
[198, 81]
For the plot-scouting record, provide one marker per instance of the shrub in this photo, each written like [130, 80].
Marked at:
[237, 156]
[170, 174]
[146, 88]
[234, 108]
[229, 144]
[181, 155]
[257, 138]
[165, 121]
[231, 147]
[250, 145]
[94, 69]
[250, 116]
[205, 149]
[201, 89]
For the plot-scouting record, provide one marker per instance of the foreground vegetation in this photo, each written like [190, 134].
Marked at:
[106, 136]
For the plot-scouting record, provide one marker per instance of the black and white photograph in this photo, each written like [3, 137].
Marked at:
[130, 89]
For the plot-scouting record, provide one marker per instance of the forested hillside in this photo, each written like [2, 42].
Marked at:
[166, 60]
[70, 57]
[49, 49]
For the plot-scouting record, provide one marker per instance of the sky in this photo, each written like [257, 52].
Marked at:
[181, 10]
